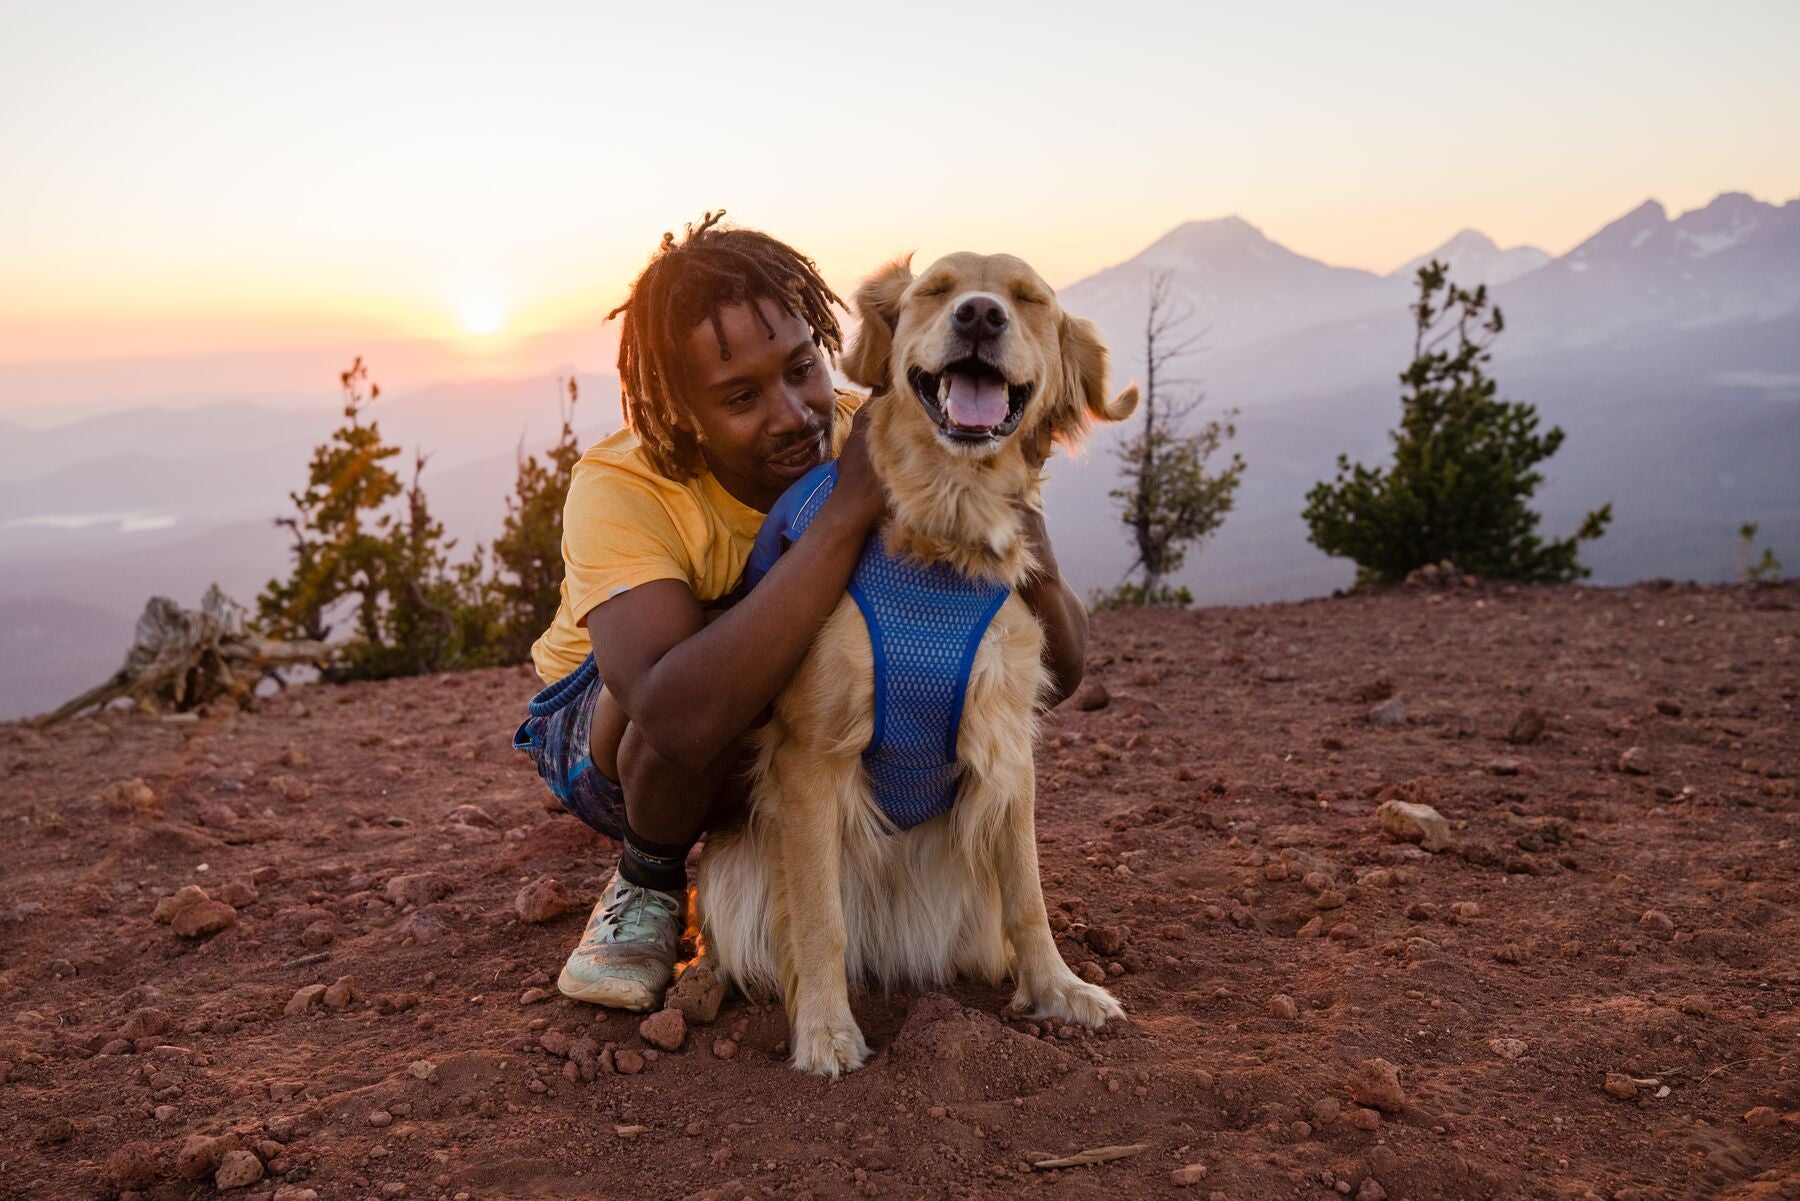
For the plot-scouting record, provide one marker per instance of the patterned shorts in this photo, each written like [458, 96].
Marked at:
[555, 735]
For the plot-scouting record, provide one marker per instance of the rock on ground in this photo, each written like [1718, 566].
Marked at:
[1376, 1083]
[1414, 823]
[542, 900]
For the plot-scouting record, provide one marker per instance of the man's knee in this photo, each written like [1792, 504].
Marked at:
[646, 775]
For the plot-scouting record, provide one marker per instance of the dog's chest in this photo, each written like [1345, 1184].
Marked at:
[925, 625]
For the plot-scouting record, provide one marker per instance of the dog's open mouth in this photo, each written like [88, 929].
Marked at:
[970, 400]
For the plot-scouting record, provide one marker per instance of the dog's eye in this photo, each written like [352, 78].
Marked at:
[1022, 297]
[934, 290]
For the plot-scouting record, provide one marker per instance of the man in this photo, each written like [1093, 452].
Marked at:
[660, 666]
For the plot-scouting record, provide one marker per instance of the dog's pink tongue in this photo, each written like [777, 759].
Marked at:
[975, 402]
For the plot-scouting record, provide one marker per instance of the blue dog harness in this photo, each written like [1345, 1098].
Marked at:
[925, 622]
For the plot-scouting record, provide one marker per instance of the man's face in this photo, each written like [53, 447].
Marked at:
[764, 415]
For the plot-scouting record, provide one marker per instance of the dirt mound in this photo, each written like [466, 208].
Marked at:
[1581, 984]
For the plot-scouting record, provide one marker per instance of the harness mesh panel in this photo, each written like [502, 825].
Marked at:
[925, 623]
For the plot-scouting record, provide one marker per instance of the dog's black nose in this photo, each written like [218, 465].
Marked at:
[979, 316]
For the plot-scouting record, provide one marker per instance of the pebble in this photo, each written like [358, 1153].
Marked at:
[1507, 1048]
[318, 934]
[724, 1048]
[164, 1113]
[200, 1154]
[628, 1062]
[1105, 940]
[1414, 823]
[470, 815]
[304, 999]
[418, 888]
[1331, 898]
[1282, 1006]
[1464, 912]
[1188, 1175]
[288, 788]
[1311, 929]
[698, 994]
[1092, 972]
[542, 900]
[145, 1022]
[203, 918]
[1389, 713]
[1528, 726]
[1656, 922]
[1376, 1082]
[1325, 1110]
[1365, 1119]
[1620, 1085]
[1635, 761]
[666, 1029]
[293, 1192]
[132, 1166]
[1762, 1116]
[380, 1118]
[341, 992]
[238, 893]
[237, 1169]
[217, 814]
[1344, 931]
[1371, 1191]
[532, 996]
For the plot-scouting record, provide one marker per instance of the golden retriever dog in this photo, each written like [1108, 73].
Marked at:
[818, 888]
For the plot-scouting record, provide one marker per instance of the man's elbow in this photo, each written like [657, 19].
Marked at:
[1065, 678]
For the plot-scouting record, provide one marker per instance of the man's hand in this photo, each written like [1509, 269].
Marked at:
[859, 492]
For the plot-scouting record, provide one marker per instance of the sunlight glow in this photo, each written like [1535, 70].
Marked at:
[482, 313]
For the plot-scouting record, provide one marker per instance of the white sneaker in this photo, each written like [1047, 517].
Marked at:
[627, 953]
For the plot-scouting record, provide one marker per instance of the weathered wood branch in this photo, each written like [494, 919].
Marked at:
[182, 658]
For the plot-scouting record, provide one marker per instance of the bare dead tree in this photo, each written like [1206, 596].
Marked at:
[1169, 501]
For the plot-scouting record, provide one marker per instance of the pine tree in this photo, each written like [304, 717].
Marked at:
[1463, 472]
[528, 553]
[390, 572]
[335, 553]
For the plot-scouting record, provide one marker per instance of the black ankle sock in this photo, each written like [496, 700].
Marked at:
[662, 866]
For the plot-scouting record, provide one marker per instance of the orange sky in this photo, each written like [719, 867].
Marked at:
[216, 176]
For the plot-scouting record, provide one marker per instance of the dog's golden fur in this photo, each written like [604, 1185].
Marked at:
[816, 890]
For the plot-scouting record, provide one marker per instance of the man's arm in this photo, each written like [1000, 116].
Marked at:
[690, 687]
[1058, 609]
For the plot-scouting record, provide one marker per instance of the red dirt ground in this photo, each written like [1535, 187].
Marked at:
[1638, 919]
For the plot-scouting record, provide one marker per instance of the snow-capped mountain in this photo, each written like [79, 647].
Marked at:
[1238, 286]
[1473, 258]
[1644, 275]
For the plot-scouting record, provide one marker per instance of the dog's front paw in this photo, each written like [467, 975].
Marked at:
[1068, 998]
[829, 1048]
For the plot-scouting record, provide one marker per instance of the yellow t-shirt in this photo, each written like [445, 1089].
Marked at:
[626, 524]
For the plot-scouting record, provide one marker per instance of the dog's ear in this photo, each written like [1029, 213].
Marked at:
[1084, 366]
[878, 305]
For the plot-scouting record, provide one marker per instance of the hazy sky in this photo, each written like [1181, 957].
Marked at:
[180, 177]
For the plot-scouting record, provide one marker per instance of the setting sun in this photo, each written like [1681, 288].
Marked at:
[482, 314]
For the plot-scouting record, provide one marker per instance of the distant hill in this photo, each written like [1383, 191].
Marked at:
[1668, 349]
[1472, 255]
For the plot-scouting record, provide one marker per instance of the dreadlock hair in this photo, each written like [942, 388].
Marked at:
[688, 282]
